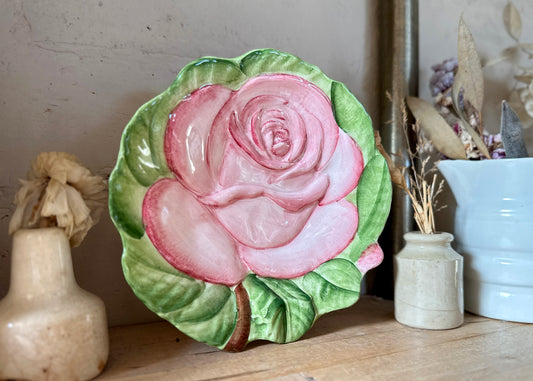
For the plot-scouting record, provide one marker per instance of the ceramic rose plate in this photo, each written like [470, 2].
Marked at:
[249, 197]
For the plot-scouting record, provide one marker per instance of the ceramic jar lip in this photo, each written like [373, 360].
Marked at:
[31, 231]
[416, 236]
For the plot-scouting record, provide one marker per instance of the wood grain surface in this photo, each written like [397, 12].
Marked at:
[363, 342]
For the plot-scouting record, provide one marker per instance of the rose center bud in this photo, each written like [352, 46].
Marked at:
[277, 138]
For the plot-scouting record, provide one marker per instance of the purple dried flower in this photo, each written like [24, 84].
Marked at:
[491, 140]
[498, 153]
[495, 145]
[449, 64]
[443, 76]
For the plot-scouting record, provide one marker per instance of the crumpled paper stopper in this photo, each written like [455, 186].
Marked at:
[59, 192]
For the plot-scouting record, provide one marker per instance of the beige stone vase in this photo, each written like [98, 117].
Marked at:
[50, 329]
[428, 285]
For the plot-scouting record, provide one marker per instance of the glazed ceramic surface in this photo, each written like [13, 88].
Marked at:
[428, 282]
[50, 328]
[249, 197]
[494, 233]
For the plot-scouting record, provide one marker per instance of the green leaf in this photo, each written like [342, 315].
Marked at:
[281, 312]
[353, 119]
[373, 194]
[204, 311]
[161, 286]
[333, 285]
[125, 201]
[215, 331]
[373, 198]
[272, 61]
[137, 148]
[207, 71]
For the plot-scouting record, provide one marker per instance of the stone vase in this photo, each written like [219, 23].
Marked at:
[428, 286]
[50, 328]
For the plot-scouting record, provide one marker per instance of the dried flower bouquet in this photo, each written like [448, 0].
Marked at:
[458, 90]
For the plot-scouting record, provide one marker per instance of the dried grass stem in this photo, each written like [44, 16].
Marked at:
[419, 179]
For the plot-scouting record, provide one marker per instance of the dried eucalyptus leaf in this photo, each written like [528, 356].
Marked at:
[524, 78]
[512, 134]
[480, 144]
[436, 128]
[512, 21]
[469, 75]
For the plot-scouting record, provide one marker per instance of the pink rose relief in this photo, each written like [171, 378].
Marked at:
[260, 179]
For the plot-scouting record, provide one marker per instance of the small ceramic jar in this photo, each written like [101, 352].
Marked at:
[428, 287]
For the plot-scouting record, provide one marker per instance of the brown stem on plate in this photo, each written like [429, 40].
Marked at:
[239, 338]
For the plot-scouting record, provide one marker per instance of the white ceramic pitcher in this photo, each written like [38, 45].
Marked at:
[494, 233]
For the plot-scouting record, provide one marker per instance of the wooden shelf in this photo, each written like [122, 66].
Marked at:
[358, 343]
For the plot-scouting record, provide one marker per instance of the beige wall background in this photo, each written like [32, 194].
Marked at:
[73, 73]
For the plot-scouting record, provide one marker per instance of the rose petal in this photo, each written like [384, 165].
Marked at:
[240, 176]
[261, 223]
[187, 135]
[327, 233]
[344, 169]
[316, 146]
[264, 115]
[304, 105]
[188, 236]
[292, 200]
[370, 258]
